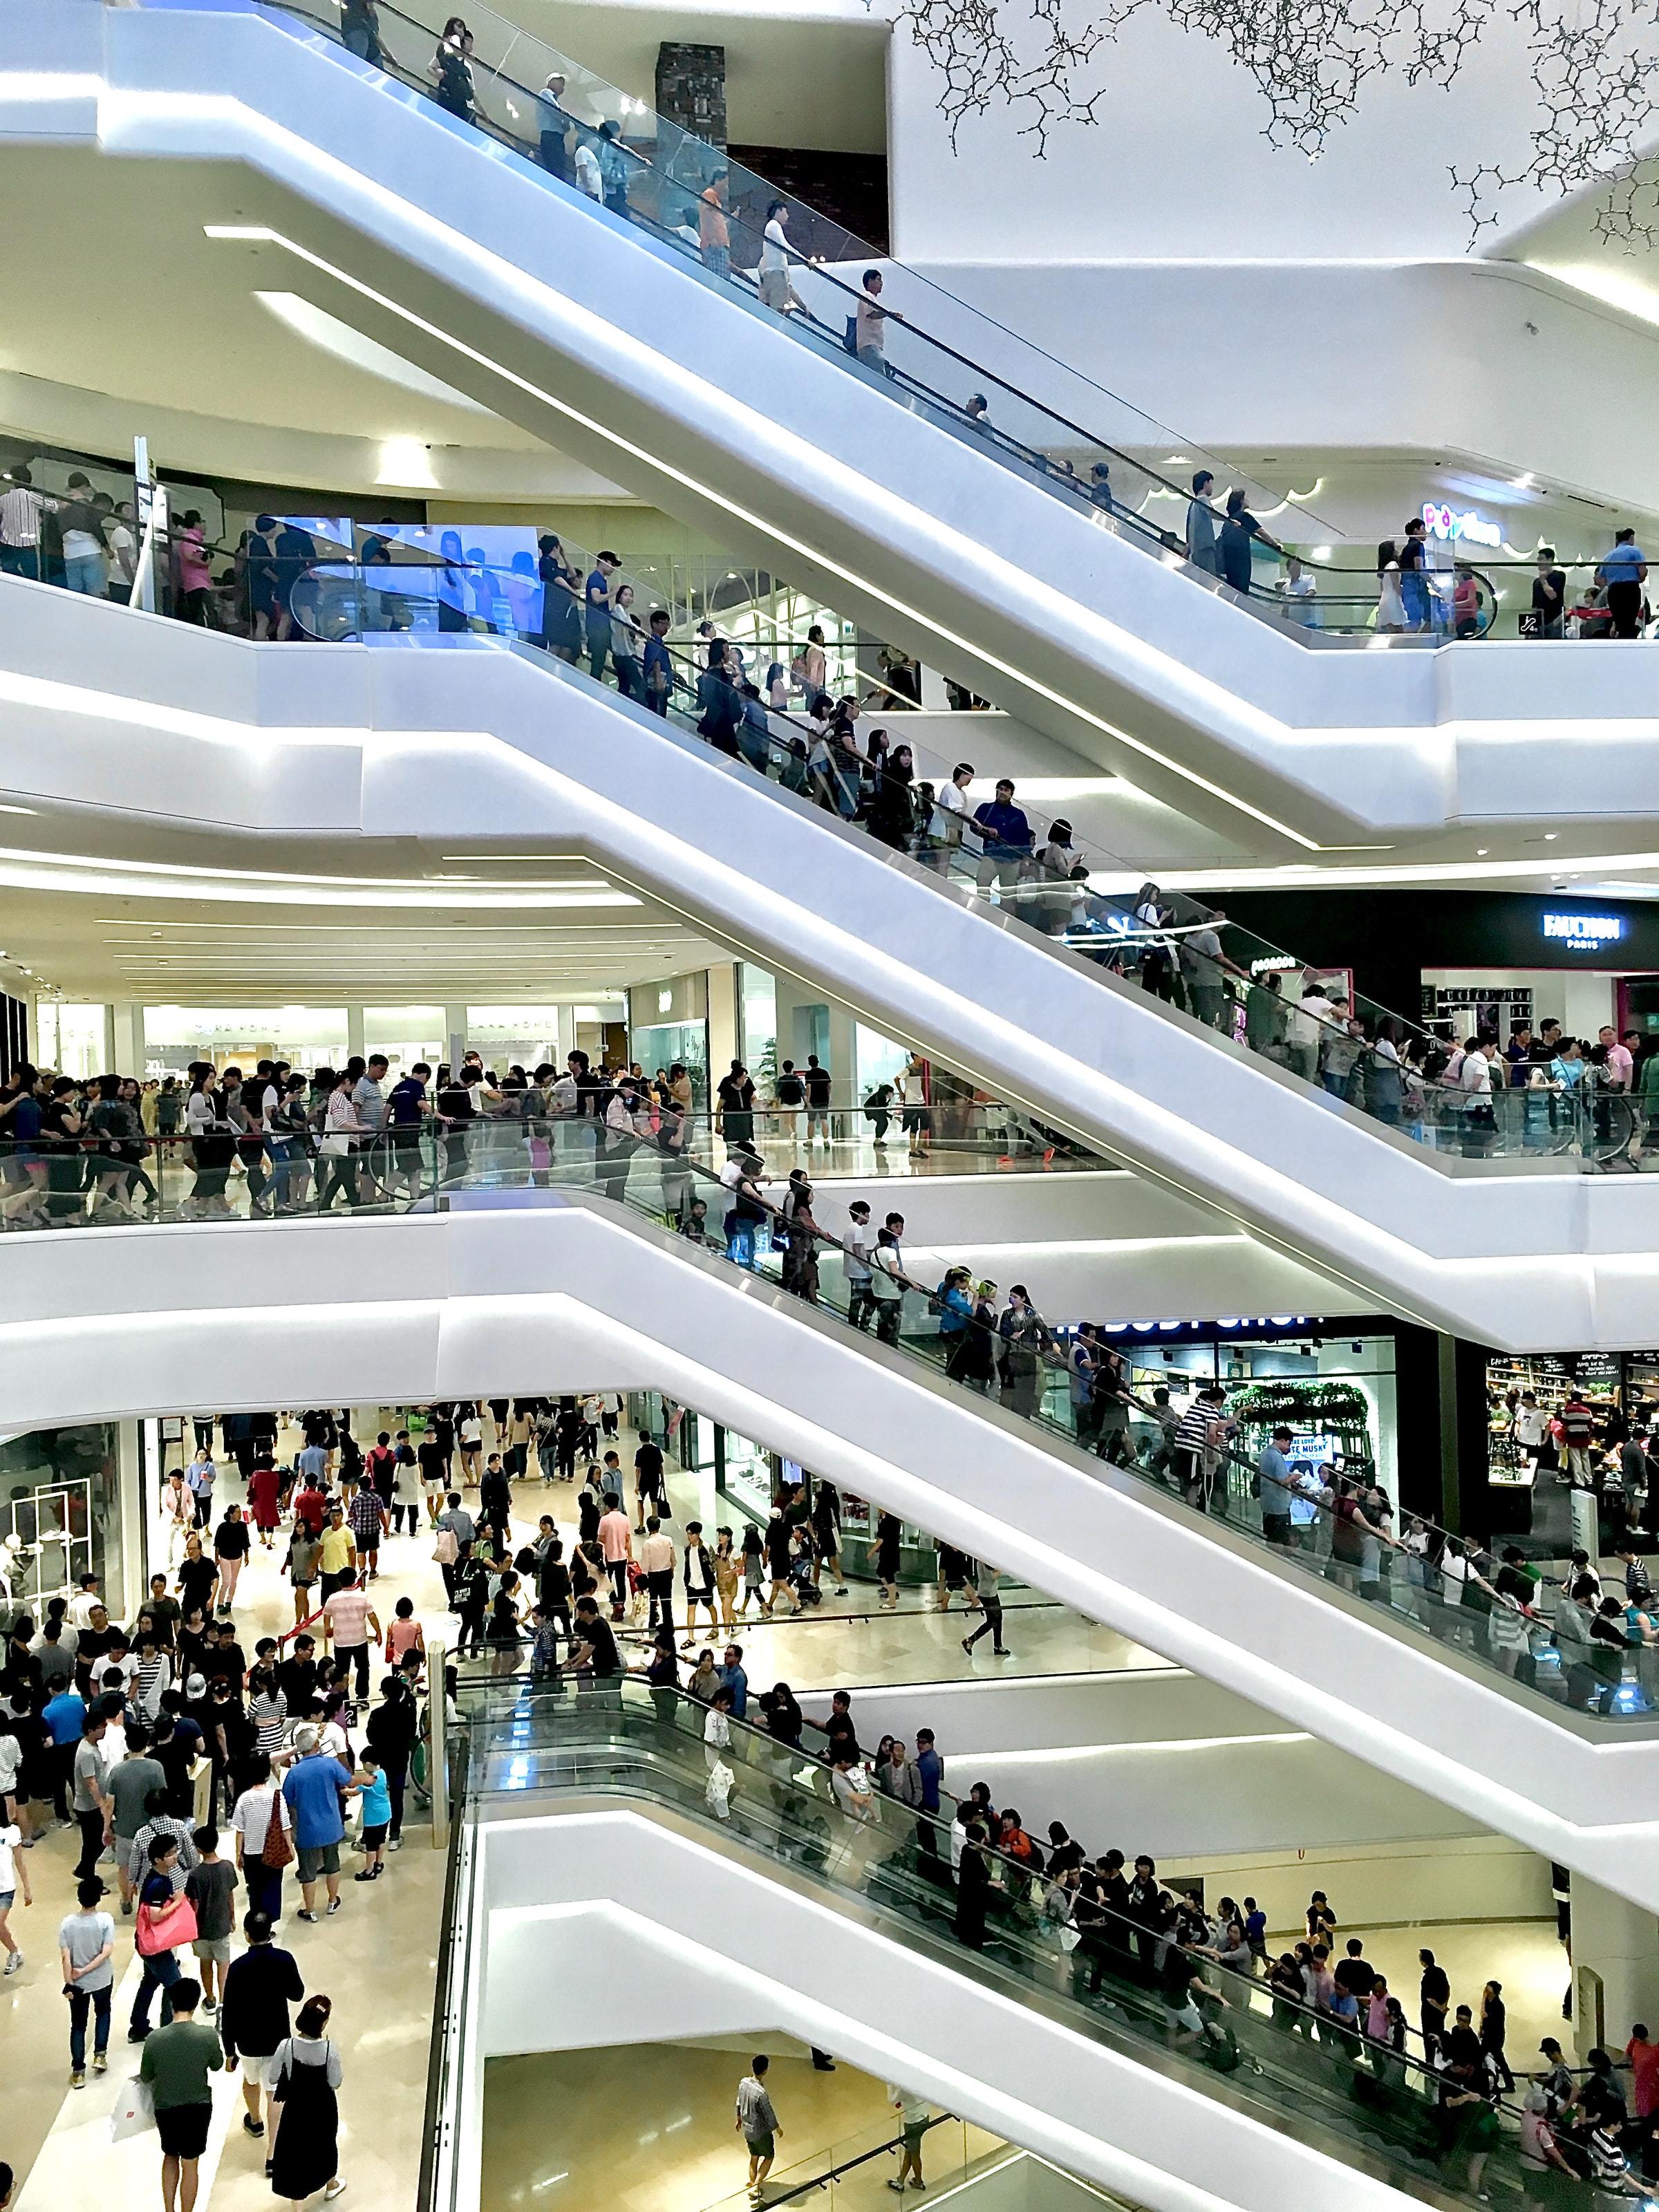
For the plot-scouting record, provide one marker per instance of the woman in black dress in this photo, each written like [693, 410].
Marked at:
[973, 1887]
[886, 1550]
[305, 2075]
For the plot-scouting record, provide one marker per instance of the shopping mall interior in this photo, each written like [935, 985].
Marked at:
[829, 1082]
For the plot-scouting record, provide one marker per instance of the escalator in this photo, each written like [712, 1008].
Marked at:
[507, 1281]
[1489, 1224]
[996, 554]
[838, 1918]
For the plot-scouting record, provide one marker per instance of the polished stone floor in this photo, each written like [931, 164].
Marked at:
[651, 2130]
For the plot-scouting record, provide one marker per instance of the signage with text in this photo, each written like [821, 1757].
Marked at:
[1584, 932]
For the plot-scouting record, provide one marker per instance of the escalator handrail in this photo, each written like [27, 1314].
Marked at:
[480, 1719]
[1051, 1433]
[1448, 1102]
[1035, 461]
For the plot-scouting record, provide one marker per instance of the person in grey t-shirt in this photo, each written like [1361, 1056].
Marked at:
[368, 1095]
[130, 1781]
[1200, 524]
[93, 1807]
[757, 2123]
[85, 1946]
[1272, 1475]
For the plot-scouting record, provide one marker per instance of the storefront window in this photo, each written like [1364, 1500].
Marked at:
[70, 1039]
[877, 1059]
[661, 1044]
[60, 1515]
[758, 1022]
[305, 1036]
[1336, 1393]
[404, 1035]
[503, 1034]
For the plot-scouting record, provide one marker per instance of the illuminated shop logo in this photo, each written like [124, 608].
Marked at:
[1472, 528]
[1584, 931]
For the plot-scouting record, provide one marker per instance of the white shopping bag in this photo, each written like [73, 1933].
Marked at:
[135, 2112]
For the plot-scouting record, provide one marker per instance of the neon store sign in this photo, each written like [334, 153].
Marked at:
[1471, 528]
[1584, 933]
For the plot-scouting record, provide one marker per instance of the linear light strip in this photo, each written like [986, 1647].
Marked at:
[238, 732]
[781, 536]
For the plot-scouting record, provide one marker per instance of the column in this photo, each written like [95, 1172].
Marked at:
[842, 1064]
[454, 1034]
[691, 89]
[124, 1037]
[354, 1031]
[723, 1024]
[1615, 1967]
[135, 1530]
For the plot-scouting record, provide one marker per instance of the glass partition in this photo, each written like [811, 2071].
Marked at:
[1143, 1981]
[1305, 1019]
[1318, 1510]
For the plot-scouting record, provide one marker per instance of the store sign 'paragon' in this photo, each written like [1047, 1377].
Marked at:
[1584, 931]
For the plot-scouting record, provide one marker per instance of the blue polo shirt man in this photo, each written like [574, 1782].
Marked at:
[312, 1789]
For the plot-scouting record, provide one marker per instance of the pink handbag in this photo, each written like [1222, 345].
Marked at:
[168, 1929]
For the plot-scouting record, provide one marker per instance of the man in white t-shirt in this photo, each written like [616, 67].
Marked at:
[120, 534]
[775, 290]
[1300, 594]
[1474, 1081]
[1532, 1425]
[1310, 1024]
[949, 820]
[85, 1602]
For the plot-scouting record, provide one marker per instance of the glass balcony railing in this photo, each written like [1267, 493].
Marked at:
[1064, 1387]
[1123, 1980]
[100, 1178]
[931, 352]
[1559, 1111]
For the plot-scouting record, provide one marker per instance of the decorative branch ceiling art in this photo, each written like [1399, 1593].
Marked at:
[1593, 64]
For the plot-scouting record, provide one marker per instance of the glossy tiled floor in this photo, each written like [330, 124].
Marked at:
[845, 1642]
[376, 1959]
[651, 2130]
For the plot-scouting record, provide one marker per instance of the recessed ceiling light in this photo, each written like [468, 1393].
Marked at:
[1550, 836]
[19, 810]
[1481, 851]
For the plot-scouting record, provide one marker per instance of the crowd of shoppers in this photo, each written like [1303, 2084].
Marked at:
[198, 1772]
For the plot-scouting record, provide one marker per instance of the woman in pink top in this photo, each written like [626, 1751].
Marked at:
[405, 1633]
[194, 578]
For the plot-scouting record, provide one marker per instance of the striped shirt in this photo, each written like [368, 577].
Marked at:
[20, 515]
[1194, 1431]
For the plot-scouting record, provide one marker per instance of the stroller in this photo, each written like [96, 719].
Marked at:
[802, 1562]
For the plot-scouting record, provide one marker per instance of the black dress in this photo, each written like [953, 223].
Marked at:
[306, 2157]
[973, 1888]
